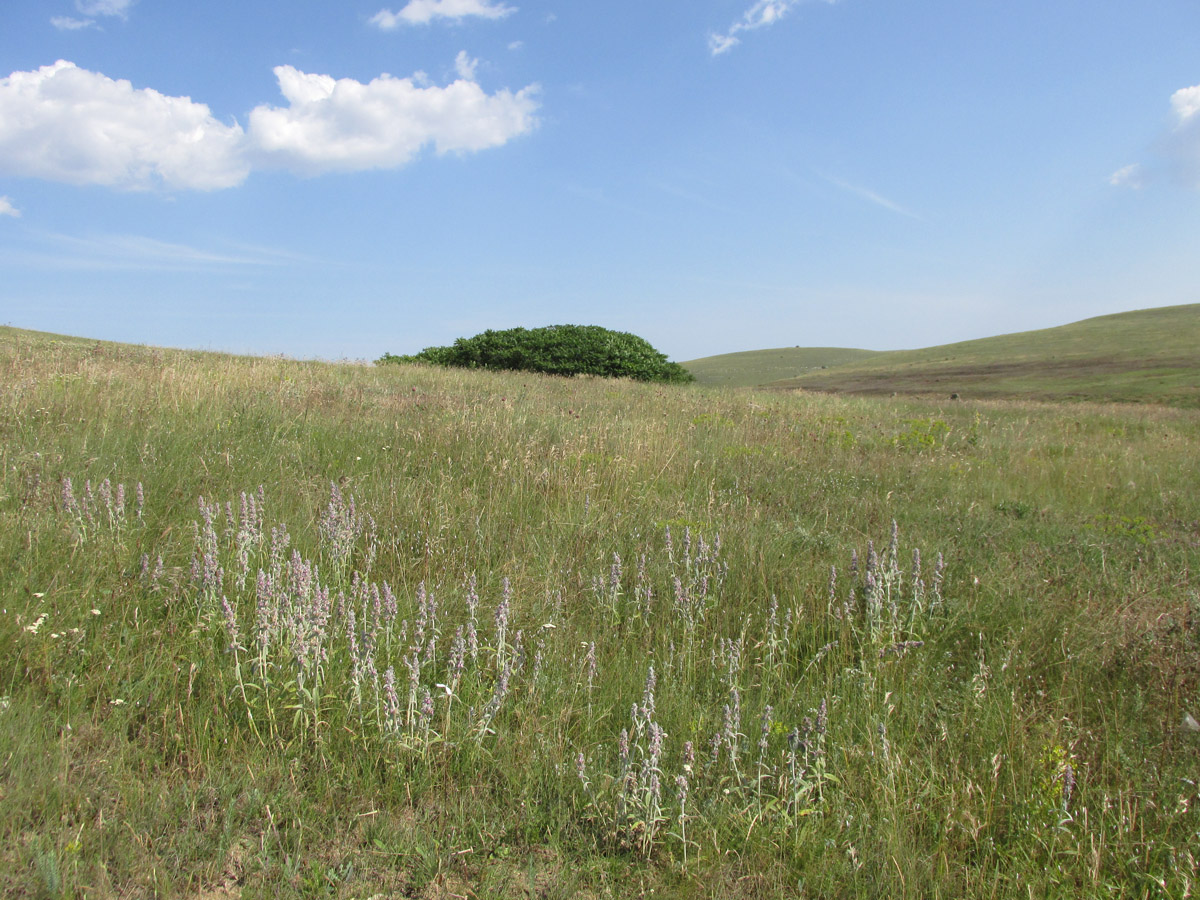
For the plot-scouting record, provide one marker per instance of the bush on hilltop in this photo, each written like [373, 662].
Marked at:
[556, 350]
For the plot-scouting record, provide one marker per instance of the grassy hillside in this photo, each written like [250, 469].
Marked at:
[1145, 356]
[758, 367]
[285, 629]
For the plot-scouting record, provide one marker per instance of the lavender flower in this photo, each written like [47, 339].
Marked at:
[89, 501]
[681, 793]
[391, 702]
[231, 624]
[207, 573]
[501, 619]
[458, 657]
[648, 694]
[581, 768]
[413, 661]
[766, 729]
[427, 710]
[591, 668]
[390, 607]
[69, 504]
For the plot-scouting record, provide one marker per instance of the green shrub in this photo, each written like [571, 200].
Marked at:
[556, 350]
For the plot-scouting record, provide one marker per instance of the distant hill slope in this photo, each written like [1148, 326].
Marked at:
[757, 367]
[1150, 355]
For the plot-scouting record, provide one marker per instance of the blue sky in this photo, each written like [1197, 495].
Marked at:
[343, 179]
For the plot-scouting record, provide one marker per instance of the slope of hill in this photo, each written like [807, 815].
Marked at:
[1150, 355]
[757, 367]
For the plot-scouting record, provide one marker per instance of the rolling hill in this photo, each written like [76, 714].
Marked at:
[1148, 355]
[757, 367]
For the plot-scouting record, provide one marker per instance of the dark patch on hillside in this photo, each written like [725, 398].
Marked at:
[1102, 377]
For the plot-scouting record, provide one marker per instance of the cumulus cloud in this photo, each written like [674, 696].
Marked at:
[1186, 103]
[7, 208]
[421, 12]
[64, 123]
[760, 15]
[345, 125]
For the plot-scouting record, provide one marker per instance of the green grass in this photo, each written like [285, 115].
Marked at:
[758, 367]
[1016, 731]
[1145, 356]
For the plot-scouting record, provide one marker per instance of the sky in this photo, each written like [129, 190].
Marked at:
[343, 179]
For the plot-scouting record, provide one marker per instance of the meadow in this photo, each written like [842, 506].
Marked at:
[275, 628]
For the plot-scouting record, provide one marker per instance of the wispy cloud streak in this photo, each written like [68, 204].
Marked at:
[129, 252]
[871, 196]
[422, 12]
[762, 14]
[91, 9]
[68, 23]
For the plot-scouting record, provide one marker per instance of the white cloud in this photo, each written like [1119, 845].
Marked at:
[1186, 102]
[760, 15]
[63, 123]
[1127, 176]
[1181, 147]
[344, 125]
[421, 12]
[66, 23]
[1176, 153]
[719, 43]
[118, 8]
[7, 208]
[465, 66]
[104, 7]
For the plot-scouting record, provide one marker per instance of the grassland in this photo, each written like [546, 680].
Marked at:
[276, 628]
[1144, 356]
[754, 368]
